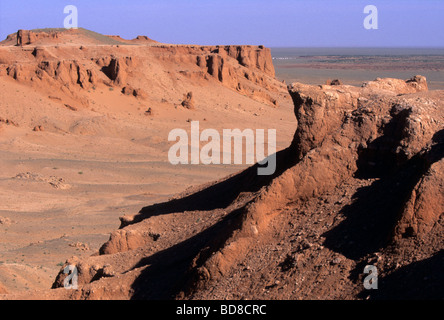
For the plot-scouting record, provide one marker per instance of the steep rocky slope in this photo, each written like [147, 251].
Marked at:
[139, 64]
[361, 184]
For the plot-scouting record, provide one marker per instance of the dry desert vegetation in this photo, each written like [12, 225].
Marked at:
[86, 182]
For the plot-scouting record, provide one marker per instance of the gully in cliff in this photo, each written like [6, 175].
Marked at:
[211, 152]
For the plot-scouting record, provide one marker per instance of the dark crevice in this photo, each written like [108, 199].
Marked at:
[375, 210]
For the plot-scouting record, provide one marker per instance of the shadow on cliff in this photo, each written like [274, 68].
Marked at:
[370, 219]
[221, 194]
[419, 280]
[167, 273]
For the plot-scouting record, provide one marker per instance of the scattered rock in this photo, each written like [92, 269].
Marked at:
[288, 263]
[8, 122]
[154, 236]
[5, 221]
[108, 271]
[55, 182]
[188, 101]
[79, 245]
[38, 128]
[70, 107]
[130, 91]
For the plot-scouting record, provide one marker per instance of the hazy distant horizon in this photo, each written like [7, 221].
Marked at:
[357, 65]
[359, 50]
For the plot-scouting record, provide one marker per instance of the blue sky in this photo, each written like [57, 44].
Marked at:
[274, 23]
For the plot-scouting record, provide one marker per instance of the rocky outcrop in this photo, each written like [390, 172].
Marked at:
[80, 36]
[8, 122]
[386, 135]
[27, 37]
[424, 206]
[68, 73]
[225, 64]
[335, 82]
[137, 40]
[86, 273]
[116, 69]
[138, 93]
[251, 57]
[122, 241]
[219, 68]
[345, 133]
[248, 70]
[188, 101]
[417, 83]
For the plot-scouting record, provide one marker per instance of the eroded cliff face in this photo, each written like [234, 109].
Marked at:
[385, 131]
[346, 134]
[250, 57]
[91, 59]
[361, 183]
[26, 37]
